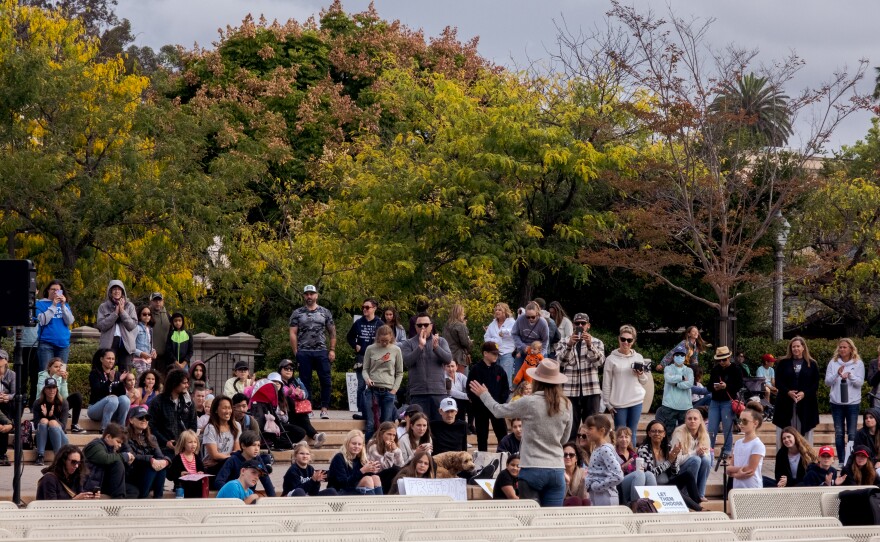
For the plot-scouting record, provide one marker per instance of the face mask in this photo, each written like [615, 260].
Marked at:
[679, 360]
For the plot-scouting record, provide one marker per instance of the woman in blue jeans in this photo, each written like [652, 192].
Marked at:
[695, 456]
[844, 377]
[55, 318]
[107, 399]
[547, 423]
[725, 381]
[622, 378]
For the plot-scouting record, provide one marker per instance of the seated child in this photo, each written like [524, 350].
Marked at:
[106, 464]
[187, 460]
[251, 472]
[822, 473]
[511, 442]
[506, 484]
[533, 359]
[421, 466]
[250, 450]
[301, 479]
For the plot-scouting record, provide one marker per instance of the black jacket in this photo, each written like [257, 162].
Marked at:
[50, 488]
[298, 477]
[815, 476]
[100, 385]
[783, 468]
[170, 420]
[808, 382]
[143, 451]
[494, 377]
[176, 470]
[732, 376]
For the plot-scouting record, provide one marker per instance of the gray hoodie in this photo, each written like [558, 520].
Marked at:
[108, 318]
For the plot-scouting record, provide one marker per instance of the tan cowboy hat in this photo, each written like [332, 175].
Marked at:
[722, 352]
[548, 372]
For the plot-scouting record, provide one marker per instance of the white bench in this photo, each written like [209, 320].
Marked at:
[525, 515]
[632, 522]
[355, 536]
[856, 533]
[433, 508]
[291, 520]
[503, 534]
[112, 506]
[124, 530]
[718, 536]
[790, 502]
[193, 514]
[742, 528]
[20, 527]
[337, 502]
[393, 529]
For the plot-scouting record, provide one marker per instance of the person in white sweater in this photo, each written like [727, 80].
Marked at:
[622, 379]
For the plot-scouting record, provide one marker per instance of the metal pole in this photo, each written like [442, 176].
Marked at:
[777, 296]
[18, 404]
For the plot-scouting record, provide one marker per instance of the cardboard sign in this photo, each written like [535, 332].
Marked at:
[667, 499]
[488, 485]
[351, 386]
[453, 487]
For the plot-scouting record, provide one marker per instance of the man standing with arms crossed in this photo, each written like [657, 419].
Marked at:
[361, 335]
[424, 357]
[307, 340]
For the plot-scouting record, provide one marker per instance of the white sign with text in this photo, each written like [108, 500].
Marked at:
[667, 499]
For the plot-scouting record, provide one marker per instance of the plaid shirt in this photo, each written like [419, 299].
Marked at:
[581, 365]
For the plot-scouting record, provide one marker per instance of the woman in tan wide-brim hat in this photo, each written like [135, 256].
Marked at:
[547, 422]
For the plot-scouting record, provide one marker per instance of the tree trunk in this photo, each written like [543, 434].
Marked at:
[524, 288]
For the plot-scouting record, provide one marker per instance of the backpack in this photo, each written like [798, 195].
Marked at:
[860, 506]
[27, 435]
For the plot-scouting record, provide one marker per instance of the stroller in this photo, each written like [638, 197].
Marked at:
[754, 390]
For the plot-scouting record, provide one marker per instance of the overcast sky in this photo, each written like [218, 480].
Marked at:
[827, 35]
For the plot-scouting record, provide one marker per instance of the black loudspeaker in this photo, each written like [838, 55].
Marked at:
[18, 293]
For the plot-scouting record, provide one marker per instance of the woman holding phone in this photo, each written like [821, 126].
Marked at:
[55, 318]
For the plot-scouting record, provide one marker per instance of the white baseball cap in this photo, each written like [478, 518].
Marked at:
[448, 404]
[310, 288]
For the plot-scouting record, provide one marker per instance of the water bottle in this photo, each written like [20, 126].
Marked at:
[178, 493]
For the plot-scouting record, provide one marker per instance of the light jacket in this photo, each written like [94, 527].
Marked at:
[856, 370]
[108, 319]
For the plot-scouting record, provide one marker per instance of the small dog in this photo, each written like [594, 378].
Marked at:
[449, 464]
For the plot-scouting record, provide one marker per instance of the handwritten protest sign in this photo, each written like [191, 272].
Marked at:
[351, 386]
[453, 487]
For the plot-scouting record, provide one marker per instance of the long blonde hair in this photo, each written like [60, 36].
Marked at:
[349, 459]
[808, 454]
[682, 435]
[553, 396]
[803, 342]
[185, 437]
[852, 346]
[456, 314]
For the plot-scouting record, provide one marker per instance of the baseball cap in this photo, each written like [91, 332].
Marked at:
[491, 347]
[50, 383]
[285, 363]
[138, 412]
[4, 354]
[310, 288]
[239, 365]
[826, 450]
[581, 317]
[255, 464]
[769, 358]
[861, 449]
[448, 404]
[156, 295]
[680, 350]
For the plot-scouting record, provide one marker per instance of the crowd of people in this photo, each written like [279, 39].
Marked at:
[570, 437]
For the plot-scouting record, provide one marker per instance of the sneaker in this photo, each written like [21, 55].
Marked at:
[325, 415]
[357, 416]
[4, 461]
[39, 462]
[75, 428]
[319, 440]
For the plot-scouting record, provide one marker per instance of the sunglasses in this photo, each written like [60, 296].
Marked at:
[580, 324]
[657, 432]
[422, 325]
[142, 418]
[626, 339]
[74, 462]
[532, 318]
[569, 456]
[366, 307]
[146, 314]
[743, 420]
[582, 436]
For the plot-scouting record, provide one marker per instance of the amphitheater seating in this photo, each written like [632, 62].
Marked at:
[718, 536]
[742, 528]
[353, 536]
[112, 506]
[432, 508]
[858, 534]
[193, 513]
[20, 528]
[792, 502]
[632, 522]
[291, 518]
[501, 534]
[8, 505]
[394, 528]
[124, 531]
[525, 515]
[337, 502]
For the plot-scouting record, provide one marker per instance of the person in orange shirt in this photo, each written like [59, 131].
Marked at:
[533, 359]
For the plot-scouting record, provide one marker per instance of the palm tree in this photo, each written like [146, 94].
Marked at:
[752, 104]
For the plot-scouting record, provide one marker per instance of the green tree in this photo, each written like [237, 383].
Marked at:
[751, 103]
